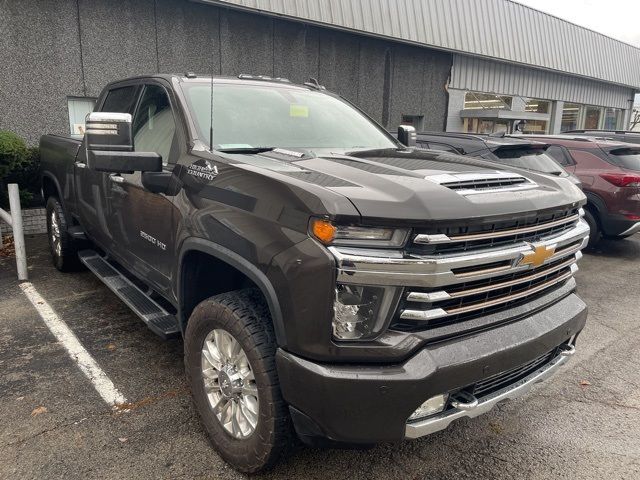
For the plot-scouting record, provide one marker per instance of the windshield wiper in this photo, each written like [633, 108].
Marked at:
[248, 150]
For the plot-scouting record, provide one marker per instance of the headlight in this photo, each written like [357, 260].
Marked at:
[360, 312]
[331, 234]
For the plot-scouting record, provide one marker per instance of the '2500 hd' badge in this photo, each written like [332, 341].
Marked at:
[203, 169]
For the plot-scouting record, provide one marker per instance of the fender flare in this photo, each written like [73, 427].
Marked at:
[241, 264]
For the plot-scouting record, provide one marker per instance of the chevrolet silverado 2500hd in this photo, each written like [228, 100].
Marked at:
[330, 283]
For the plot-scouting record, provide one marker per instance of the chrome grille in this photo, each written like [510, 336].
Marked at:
[525, 260]
[432, 308]
[463, 238]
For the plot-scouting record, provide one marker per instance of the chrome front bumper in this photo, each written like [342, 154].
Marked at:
[441, 421]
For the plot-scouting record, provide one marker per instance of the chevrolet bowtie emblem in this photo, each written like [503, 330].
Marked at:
[539, 255]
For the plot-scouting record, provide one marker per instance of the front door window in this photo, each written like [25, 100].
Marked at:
[154, 126]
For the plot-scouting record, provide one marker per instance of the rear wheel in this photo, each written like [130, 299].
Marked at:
[595, 233]
[230, 362]
[64, 250]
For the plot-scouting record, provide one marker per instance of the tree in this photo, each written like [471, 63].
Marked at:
[635, 119]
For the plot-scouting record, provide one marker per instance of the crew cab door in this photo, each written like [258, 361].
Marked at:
[93, 187]
[143, 222]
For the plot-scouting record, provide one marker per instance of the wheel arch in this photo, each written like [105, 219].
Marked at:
[596, 204]
[233, 264]
[51, 187]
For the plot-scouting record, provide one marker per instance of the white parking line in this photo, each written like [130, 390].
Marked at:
[103, 384]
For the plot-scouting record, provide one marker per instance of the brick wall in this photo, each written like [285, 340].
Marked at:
[33, 221]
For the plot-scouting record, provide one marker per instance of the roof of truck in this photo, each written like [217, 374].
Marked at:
[243, 78]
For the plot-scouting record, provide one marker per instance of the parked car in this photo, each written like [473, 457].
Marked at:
[616, 135]
[610, 175]
[510, 151]
[328, 281]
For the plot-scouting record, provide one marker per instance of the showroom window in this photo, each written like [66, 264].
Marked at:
[477, 101]
[537, 106]
[612, 118]
[570, 117]
[536, 126]
[592, 118]
[79, 107]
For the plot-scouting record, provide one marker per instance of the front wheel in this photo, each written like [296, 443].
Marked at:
[230, 364]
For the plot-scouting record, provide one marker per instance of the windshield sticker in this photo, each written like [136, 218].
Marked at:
[206, 171]
[298, 111]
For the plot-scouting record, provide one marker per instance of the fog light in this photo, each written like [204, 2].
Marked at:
[433, 405]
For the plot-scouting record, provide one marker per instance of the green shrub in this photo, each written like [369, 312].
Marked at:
[19, 164]
[13, 153]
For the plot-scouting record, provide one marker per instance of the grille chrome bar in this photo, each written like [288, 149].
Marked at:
[384, 267]
[441, 238]
[425, 315]
[443, 295]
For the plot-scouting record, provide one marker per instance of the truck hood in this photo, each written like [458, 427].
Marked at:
[415, 185]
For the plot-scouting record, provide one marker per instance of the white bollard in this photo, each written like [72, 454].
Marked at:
[18, 235]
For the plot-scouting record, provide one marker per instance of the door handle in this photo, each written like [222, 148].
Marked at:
[114, 177]
[81, 165]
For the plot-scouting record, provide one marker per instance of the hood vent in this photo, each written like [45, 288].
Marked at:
[471, 183]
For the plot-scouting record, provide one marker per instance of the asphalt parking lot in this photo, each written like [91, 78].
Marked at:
[583, 423]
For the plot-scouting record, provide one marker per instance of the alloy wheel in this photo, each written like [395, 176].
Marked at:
[229, 384]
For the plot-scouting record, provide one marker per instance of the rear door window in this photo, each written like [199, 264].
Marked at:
[560, 155]
[121, 100]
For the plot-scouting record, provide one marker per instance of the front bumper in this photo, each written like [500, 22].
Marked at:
[483, 405]
[364, 404]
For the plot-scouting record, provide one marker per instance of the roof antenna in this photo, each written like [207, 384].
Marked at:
[213, 62]
[211, 127]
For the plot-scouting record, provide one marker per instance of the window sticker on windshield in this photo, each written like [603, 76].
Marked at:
[298, 111]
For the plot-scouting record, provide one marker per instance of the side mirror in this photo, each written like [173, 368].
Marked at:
[109, 145]
[407, 135]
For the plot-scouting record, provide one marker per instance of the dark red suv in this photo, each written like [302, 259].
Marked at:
[610, 175]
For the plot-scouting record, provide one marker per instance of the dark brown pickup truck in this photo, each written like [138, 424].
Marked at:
[330, 283]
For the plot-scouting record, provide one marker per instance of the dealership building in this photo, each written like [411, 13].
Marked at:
[454, 65]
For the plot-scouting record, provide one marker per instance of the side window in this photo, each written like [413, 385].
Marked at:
[154, 127]
[121, 100]
[560, 155]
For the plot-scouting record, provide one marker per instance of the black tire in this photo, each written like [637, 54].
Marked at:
[595, 233]
[64, 255]
[244, 315]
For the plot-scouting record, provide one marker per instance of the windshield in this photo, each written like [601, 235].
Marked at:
[249, 116]
[627, 158]
[531, 158]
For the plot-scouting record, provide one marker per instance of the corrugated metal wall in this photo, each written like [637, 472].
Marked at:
[473, 73]
[499, 29]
